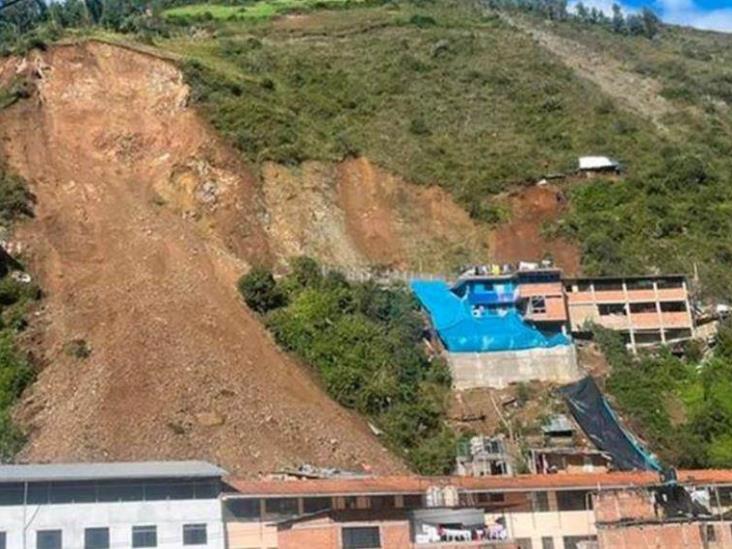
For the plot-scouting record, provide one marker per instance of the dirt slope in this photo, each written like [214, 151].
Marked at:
[143, 223]
[356, 214]
[521, 239]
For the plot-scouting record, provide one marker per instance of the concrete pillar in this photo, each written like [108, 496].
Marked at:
[659, 312]
[629, 317]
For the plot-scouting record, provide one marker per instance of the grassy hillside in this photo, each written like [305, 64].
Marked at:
[443, 92]
[436, 92]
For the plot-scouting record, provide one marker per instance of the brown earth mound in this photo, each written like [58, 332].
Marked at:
[144, 221]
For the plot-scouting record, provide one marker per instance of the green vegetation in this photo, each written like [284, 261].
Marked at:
[15, 298]
[437, 92]
[249, 11]
[645, 23]
[682, 407]
[365, 343]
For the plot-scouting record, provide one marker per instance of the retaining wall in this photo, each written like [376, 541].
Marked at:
[498, 369]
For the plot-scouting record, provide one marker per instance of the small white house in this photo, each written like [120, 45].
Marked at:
[598, 164]
[103, 505]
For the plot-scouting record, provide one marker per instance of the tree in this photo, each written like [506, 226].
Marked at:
[583, 13]
[635, 25]
[260, 291]
[618, 20]
[651, 23]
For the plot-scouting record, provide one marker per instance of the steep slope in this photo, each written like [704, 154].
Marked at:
[144, 221]
[355, 214]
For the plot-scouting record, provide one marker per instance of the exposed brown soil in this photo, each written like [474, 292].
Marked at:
[521, 238]
[144, 221]
[356, 214]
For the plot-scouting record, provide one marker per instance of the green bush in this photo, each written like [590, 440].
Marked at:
[260, 291]
[364, 341]
[645, 388]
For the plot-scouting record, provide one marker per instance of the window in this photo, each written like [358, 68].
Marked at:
[678, 333]
[144, 536]
[3, 540]
[639, 284]
[350, 502]
[666, 283]
[707, 532]
[523, 543]
[673, 306]
[120, 491]
[547, 543]
[362, 537]
[573, 500]
[608, 285]
[11, 494]
[313, 505]
[646, 307]
[538, 305]
[280, 507]
[96, 538]
[540, 501]
[412, 501]
[489, 497]
[162, 490]
[647, 336]
[243, 509]
[571, 542]
[382, 502]
[194, 534]
[48, 539]
[606, 309]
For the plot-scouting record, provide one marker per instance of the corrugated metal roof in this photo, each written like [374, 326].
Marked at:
[558, 423]
[109, 471]
[414, 485]
[596, 162]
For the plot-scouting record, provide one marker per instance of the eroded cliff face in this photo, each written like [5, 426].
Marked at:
[144, 221]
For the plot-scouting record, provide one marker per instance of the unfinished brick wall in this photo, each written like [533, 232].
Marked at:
[686, 535]
[323, 537]
[613, 506]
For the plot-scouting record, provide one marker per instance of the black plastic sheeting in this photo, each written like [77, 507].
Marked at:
[600, 423]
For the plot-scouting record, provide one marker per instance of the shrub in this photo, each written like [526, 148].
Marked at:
[260, 291]
[364, 341]
[422, 21]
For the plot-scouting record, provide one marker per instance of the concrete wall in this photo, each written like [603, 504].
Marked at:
[498, 369]
[250, 535]
[549, 524]
[73, 518]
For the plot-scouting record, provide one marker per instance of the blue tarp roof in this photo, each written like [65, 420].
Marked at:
[461, 332]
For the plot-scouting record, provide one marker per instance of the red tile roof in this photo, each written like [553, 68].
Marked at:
[415, 484]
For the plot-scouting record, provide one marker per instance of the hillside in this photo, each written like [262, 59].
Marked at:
[177, 367]
[406, 134]
[481, 102]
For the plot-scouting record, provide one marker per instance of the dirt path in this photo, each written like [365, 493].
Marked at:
[637, 93]
[144, 221]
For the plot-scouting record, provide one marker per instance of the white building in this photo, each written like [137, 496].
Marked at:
[108, 505]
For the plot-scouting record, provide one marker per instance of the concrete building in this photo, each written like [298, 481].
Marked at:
[597, 165]
[647, 310]
[104, 505]
[501, 326]
[667, 516]
[527, 511]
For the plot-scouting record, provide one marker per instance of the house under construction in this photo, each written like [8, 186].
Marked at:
[505, 324]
